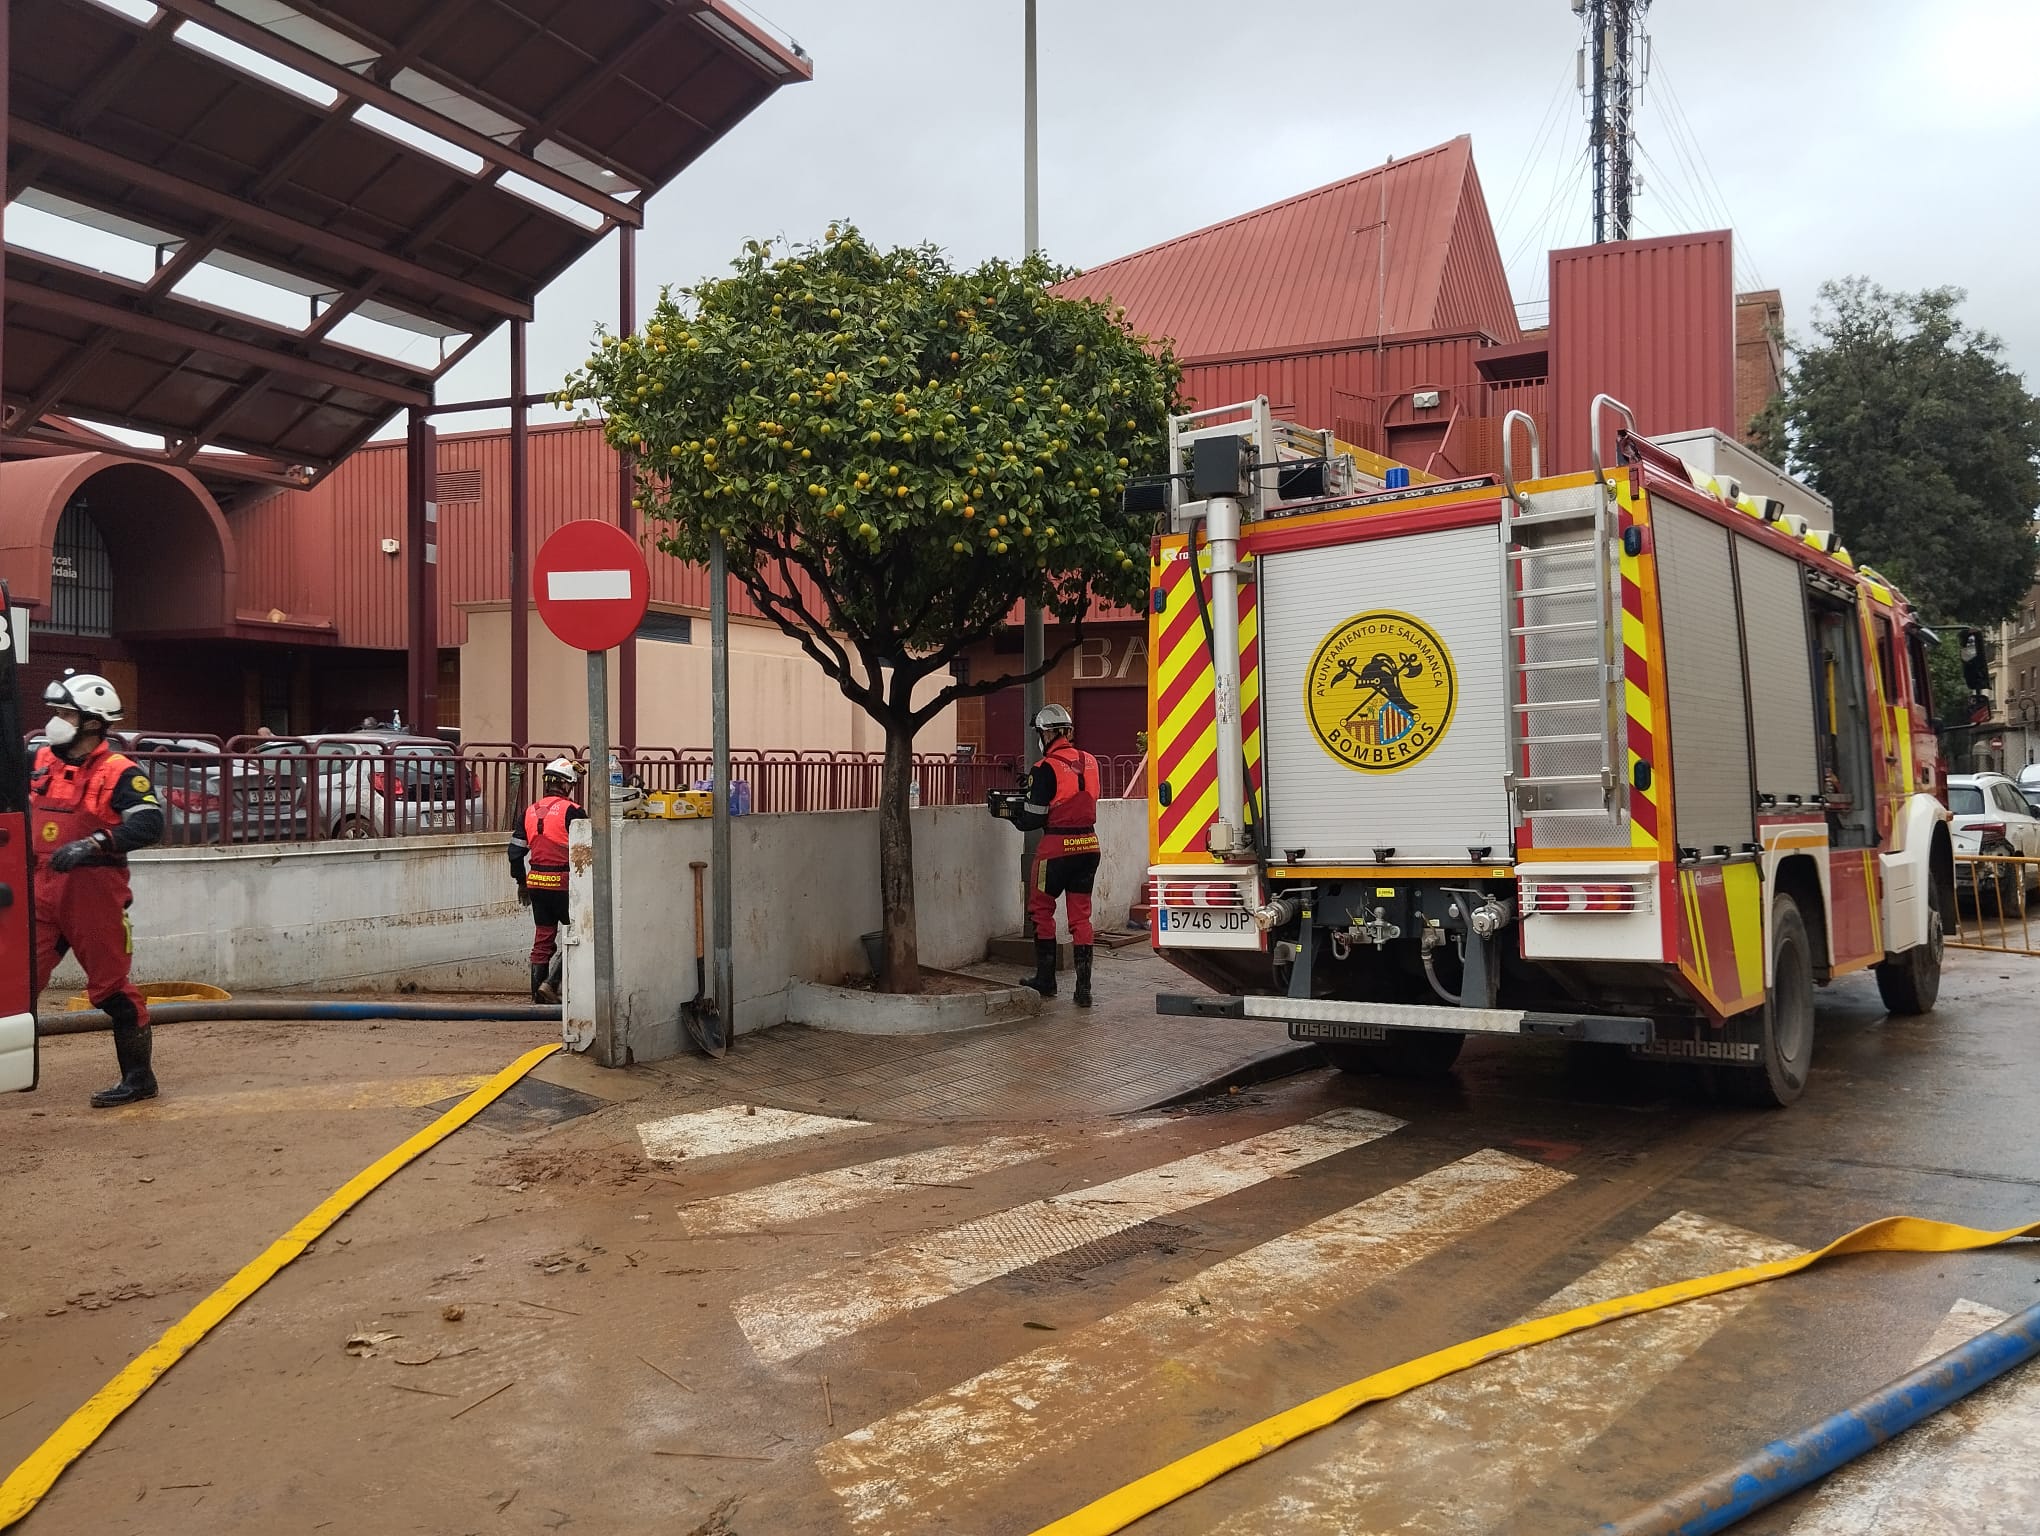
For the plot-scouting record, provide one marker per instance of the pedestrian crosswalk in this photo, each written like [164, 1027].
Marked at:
[1154, 1373]
[789, 1320]
[947, 1449]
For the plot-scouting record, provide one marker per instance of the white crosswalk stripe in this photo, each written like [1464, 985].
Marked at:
[733, 1128]
[943, 1453]
[836, 1190]
[791, 1319]
[1971, 1470]
[1458, 1456]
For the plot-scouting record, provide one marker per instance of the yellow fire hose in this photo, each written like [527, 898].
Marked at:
[1120, 1508]
[27, 1483]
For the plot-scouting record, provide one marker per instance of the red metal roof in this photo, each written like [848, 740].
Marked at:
[1306, 272]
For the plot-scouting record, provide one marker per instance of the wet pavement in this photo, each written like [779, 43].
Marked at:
[811, 1305]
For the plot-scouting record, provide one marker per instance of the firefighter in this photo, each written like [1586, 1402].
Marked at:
[89, 808]
[1062, 796]
[542, 841]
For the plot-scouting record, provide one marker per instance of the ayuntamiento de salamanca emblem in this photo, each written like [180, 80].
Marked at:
[1380, 691]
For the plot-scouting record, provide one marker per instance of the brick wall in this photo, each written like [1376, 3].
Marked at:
[1759, 365]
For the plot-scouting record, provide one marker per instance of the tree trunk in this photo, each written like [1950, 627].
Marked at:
[900, 970]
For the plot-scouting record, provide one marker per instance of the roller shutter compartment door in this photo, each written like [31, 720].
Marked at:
[1780, 672]
[1713, 804]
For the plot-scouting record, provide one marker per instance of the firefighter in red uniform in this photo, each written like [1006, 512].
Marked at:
[89, 808]
[1062, 796]
[542, 841]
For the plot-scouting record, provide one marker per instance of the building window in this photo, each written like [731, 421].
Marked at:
[81, 577]
[674, 628]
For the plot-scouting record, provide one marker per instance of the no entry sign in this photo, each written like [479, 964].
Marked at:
[591, 585]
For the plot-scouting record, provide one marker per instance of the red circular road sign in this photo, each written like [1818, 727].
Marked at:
[591, 585]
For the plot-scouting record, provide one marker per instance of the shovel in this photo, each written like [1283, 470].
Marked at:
[700, 1014]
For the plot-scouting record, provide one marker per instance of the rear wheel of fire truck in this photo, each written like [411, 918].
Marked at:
[1912, 982]
[1405, 1053]
[1787, 1018]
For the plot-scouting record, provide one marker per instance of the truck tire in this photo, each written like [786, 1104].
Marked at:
[1787, 1022]
[1405, 1053]
[1912, 982]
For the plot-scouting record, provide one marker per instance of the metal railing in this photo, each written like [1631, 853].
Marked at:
[1994, 895]
[294, 790]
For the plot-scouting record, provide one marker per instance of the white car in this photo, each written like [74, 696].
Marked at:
[1993, 816]
[384, 784]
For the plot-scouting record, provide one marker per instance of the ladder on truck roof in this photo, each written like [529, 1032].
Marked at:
[1564, 656]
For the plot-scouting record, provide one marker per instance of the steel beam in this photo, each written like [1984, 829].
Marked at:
[224, 205]
[520, 544]
[421, 566]
[172, 332]
[350, 85]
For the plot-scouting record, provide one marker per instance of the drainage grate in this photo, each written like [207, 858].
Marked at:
[1134, 1242]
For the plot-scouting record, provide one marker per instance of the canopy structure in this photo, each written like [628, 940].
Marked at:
[245, 233]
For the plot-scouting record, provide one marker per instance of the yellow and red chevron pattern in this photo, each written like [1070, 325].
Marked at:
[1638, 625]
[1182, 725]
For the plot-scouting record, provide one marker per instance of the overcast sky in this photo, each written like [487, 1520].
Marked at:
[1899, 139]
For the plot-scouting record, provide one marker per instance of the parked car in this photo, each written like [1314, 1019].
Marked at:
[224, 800]
[1993, 816]
[382, 783]
[2029, 780]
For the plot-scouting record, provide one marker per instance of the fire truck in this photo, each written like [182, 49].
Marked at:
[1629, 756]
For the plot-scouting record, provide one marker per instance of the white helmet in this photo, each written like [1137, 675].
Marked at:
[1053, 717]
[86, 692]
[560, 768]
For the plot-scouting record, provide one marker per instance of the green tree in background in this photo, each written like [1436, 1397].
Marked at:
[1928, 446]
[896, 454]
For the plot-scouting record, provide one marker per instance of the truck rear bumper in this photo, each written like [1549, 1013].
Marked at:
[1320, 1018]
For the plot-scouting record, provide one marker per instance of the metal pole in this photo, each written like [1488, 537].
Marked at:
[1034, 639]
[626, 322]
[610, 1049]
[724, 974]
[1222, 532]
[421, 531]
[520, 545]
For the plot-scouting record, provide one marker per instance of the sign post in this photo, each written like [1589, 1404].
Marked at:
[591, 586]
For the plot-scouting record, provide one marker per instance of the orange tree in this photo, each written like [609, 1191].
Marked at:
[895, 454]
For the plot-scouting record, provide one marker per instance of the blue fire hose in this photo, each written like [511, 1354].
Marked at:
[1787, 1465]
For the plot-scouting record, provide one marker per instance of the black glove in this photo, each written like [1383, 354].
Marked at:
[523, 894]
[85, 850]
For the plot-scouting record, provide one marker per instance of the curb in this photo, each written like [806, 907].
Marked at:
[852, 1011]
[1283, 1061]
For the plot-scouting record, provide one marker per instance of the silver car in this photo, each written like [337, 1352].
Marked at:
[384, 784]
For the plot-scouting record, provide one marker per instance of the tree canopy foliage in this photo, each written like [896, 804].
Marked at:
[1926, 443]
[895, 454]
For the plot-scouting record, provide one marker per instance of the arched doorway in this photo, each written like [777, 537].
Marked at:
[121, 563]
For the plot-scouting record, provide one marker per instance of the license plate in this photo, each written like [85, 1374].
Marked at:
[1207, 928]
[438, 819]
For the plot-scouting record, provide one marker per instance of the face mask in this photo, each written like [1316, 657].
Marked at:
[60, 731]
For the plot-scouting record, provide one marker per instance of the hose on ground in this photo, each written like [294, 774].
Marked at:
[292, 1010]
[1791, 1463]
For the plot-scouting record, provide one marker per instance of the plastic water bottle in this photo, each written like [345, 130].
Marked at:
[914, 793]
[615, 771]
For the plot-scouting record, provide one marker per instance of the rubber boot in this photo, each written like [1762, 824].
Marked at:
[538, 981]
[1043, 979]
[131, 1044]
[1083, 994]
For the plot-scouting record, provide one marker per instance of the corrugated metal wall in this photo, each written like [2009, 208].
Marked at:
[319, 552]
[1358, 391]
[1651, 322]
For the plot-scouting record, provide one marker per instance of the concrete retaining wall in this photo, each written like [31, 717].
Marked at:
[435, 912]
[806, 889]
